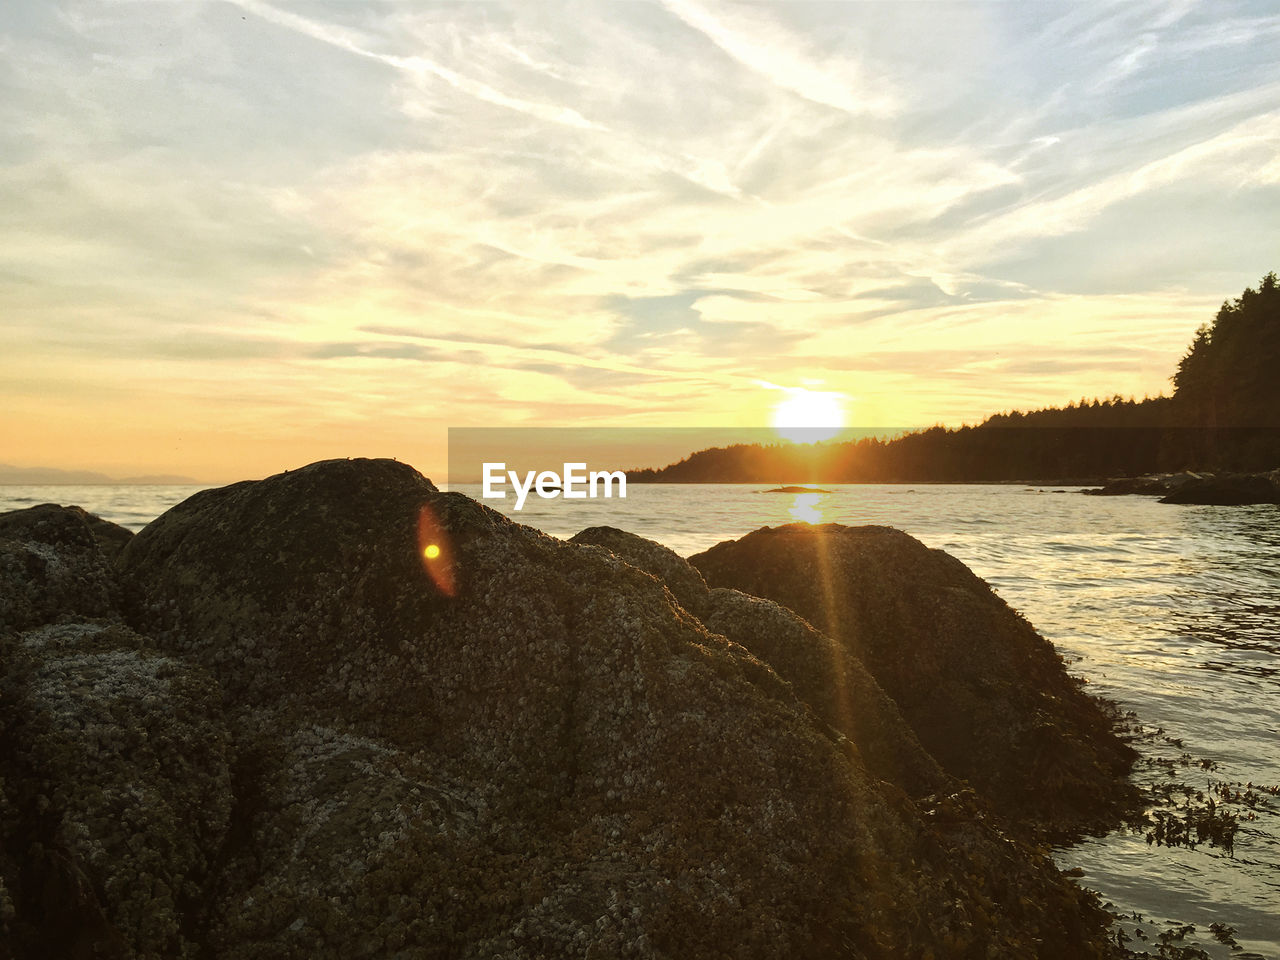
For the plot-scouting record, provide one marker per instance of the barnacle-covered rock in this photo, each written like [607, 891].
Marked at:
[987, 696]
[116, 794]
[831, 680]
[52, 565]
[457, 737]
[684, 582]
[824, 674]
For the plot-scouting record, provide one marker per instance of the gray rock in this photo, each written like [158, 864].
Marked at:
[833, 682]
[1232, 489]
[823, 675]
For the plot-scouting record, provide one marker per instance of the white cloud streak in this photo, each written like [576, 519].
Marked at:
[770, 52]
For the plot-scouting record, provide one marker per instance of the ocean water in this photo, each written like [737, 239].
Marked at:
[1173, 612]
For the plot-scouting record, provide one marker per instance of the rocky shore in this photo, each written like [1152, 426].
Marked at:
[338, 713]
[1217, 489]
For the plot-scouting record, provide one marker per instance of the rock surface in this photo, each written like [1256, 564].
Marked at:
[116, 794]
[362, 718]
[1156, 484]
[1236, 489]
[987, 696]
[52, 564]
[833, 683]
[1220, 489]
[684, 582]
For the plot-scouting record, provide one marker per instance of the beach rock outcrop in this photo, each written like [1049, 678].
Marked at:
[833, 682]
[825, 676]
[987, 696]
[352, 716]
[115, 787]
[1211, 489]
[1152, 485]
[512, 746]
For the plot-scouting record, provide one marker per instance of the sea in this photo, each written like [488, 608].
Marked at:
[1173, 612]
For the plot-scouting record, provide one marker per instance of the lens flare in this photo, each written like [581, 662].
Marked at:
[433, 547]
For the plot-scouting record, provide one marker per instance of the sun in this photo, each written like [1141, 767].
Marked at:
[808, 416]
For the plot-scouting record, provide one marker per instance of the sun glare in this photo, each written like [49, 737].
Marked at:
[806, 509]
[808, 416]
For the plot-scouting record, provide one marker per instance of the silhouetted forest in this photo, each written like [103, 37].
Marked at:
[1224, 414]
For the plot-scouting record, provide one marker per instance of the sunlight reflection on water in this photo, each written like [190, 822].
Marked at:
[806, 507]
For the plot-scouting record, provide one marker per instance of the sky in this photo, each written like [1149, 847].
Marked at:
[236, 237]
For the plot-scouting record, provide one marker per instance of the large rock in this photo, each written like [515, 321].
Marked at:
[684, 582]
[116, 794]
[52, 564]
[825, 676]
[833, 682]
[114, 789]
[987, 696]
[460, 738]
[1230, 489]
[1220, 489]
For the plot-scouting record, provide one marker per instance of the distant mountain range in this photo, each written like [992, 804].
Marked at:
[9, 474]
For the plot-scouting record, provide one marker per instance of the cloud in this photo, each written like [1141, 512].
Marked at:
[419, 66]
[766, 49]
[329, 212]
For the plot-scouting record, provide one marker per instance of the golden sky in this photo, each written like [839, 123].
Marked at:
[241, 236]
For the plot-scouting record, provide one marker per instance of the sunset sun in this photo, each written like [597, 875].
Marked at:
[809, 416]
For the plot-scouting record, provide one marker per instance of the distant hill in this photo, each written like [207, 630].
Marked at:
[1224, 414]
[9, 474]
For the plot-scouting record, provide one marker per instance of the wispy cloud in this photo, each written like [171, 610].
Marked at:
[769, 50]
[420, 66]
